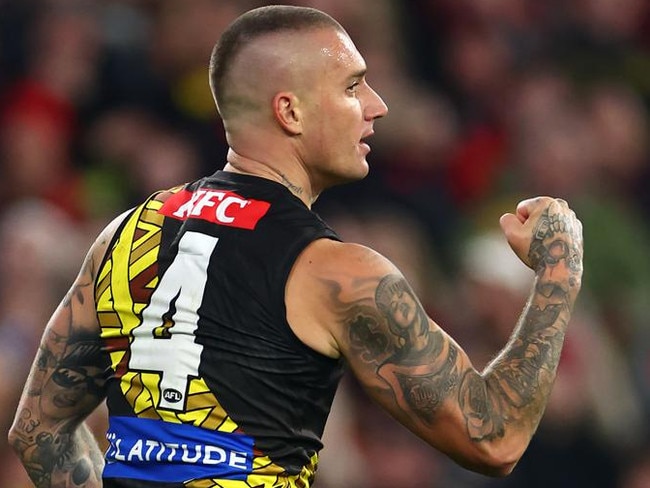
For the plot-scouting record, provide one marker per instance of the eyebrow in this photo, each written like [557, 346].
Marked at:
[358, 74]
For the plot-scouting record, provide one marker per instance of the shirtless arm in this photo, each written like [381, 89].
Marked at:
[410, 366]
[65, 384]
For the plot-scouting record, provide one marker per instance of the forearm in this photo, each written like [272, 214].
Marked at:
[510, 395]
[503, 405]
[57, 457]
[506, 401]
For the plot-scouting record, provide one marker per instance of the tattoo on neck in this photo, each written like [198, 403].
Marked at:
[295, 189]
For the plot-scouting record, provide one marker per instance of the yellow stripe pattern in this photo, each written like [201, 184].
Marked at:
[133, 259]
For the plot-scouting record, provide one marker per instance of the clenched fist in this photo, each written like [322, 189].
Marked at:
[547, 236]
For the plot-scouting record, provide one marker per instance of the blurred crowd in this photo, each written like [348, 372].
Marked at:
[101, 103]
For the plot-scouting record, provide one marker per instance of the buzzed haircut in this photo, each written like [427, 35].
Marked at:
[251, 25]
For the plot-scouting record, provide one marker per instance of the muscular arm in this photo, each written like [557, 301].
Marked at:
[483, 420]
[65, 384]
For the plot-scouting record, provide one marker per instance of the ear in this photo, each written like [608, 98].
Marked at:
[286, 110]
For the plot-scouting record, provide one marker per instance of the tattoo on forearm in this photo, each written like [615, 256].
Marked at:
[56, 459]
[70, 372]
[479, 405]
[519, 382]
[26, 424]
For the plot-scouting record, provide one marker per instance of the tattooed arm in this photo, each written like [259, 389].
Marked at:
[65, 384]
[360, 306]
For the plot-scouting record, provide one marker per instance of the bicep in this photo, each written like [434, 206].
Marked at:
[399, 354]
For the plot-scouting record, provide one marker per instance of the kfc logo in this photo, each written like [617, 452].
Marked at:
[217, 206]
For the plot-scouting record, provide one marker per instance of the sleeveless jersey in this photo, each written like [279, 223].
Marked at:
[210, 387]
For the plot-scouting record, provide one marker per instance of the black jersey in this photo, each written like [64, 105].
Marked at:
[210, 385]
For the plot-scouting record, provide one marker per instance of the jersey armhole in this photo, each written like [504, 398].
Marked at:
[282, 296]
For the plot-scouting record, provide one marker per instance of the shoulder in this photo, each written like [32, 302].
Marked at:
[99, 247]
[329, 265]
[326, 257]
[329, 281]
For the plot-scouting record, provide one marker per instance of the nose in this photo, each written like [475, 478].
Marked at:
[376, 107]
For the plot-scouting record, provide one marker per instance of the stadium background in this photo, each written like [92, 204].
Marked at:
[490, 101]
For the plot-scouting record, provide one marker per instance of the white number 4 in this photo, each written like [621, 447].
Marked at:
[165, 341]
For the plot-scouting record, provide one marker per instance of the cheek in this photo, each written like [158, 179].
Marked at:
[347, 113]
[339, 129]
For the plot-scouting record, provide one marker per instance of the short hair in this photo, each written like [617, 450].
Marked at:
[251, 25]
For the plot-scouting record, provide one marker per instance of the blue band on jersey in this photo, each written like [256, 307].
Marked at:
[154, 450]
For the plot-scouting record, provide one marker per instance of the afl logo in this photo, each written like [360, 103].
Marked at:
[172, 396]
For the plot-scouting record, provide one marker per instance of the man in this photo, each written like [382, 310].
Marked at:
[215, 317]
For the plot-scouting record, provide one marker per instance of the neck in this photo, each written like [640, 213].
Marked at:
[292, 180]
